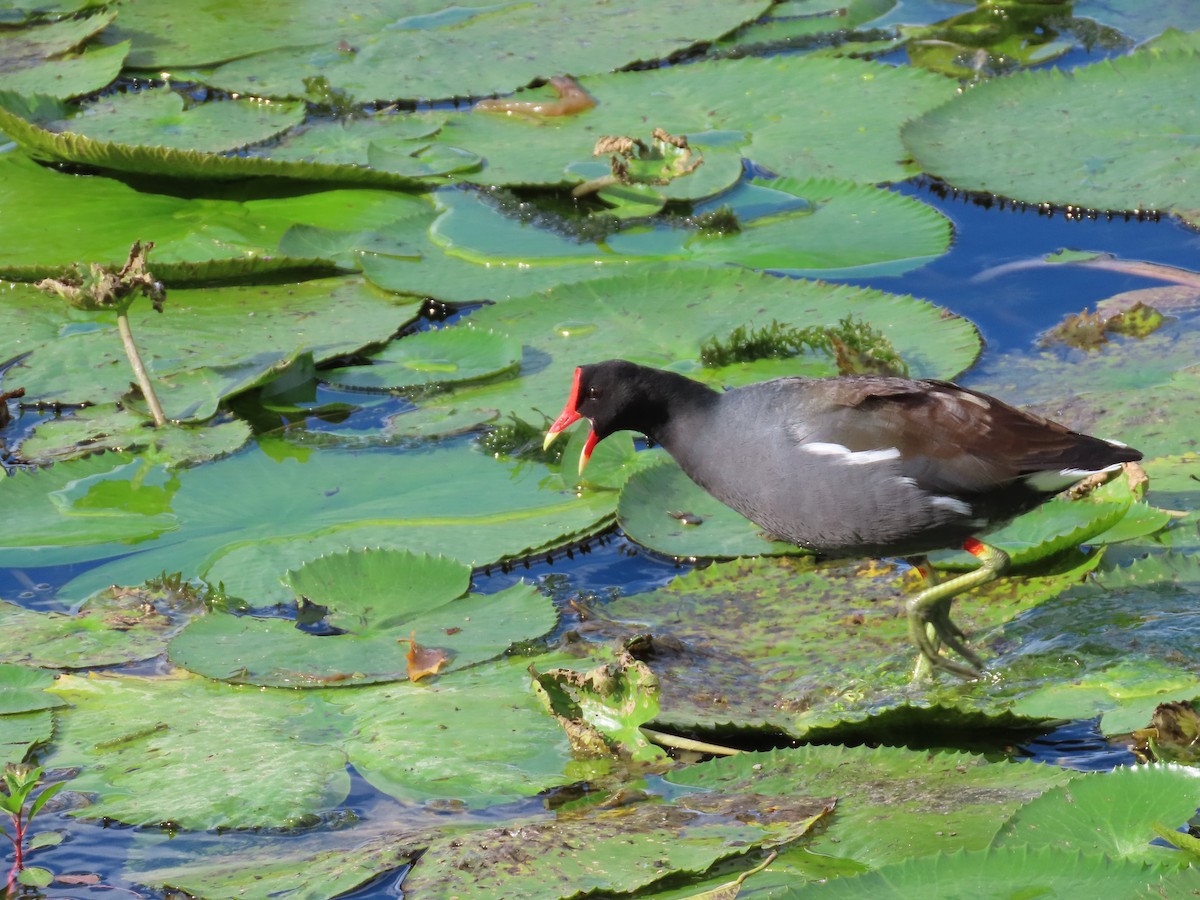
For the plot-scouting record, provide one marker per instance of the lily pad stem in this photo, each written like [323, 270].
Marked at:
[677, 742]
[139, 370]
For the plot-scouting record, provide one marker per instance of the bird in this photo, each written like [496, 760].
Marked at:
[854, 466]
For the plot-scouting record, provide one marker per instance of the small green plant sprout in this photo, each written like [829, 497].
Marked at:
[20, 780]
[97, 288]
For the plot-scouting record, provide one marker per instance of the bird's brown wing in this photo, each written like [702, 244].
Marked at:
[952, 438]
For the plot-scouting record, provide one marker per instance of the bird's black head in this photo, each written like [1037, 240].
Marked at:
[617, 395]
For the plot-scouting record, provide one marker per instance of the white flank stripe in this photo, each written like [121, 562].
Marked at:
[1063, 478]
[854, 458]
[953, 504]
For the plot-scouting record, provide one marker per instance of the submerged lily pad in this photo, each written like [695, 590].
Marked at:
[376, 601]
[1121, 131]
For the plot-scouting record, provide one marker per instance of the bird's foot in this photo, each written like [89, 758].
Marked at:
[929, 622]
[930, 628]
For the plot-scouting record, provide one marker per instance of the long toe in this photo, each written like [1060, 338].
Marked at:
[919, 617]
[952, 636]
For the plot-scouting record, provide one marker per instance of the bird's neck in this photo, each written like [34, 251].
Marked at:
[681, 408]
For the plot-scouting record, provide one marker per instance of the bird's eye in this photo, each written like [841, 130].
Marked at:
[591, 393]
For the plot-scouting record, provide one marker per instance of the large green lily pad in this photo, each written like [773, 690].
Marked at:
[161, 750]
[292, 505]
[1121, 136]
[470, 52]
[662, 319]
[812, 227]
[893, 803]
[377, 600]
[841, 120]
[487, 720]
[88, 219]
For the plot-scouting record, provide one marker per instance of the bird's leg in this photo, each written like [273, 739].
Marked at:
[923, 669]
[929, 620]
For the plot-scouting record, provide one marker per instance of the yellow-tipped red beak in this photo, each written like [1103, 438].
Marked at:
[569, 416]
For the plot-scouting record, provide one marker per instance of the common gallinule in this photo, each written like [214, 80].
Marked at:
[856, 466]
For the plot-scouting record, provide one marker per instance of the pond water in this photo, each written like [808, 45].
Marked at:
[990, 276]
[1010, 310]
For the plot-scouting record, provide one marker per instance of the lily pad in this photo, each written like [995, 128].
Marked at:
[376, 601]
[486, 719]
[22, 690]
[95, 219]
[1117, 648]
[893, 804]
[50, 58]
[158, 118]
[35, 126]
[1121, 136]
[1126, 803]
[617, 850]
[779, 644]
[19, 732]
[841, 121]
[160, 750]
[115, 428]
[998, 873]
[293, 505]
[813, 227]
[118, 625]
[597, 320]
[445, 356]
[661, 508]
[208, 345]
[470, 53]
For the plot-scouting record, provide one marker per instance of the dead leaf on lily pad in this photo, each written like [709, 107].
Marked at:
[423, 661]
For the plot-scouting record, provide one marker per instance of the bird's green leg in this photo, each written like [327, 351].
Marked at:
[929, 622]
